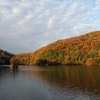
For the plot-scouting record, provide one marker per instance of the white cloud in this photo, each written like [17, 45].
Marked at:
[98, 4]
[34, 23]
[83, 28]
[52, 21]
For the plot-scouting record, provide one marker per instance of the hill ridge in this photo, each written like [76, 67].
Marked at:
[5, 57]
[83, 49]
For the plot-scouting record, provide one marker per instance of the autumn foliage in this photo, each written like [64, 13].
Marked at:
[84, 49]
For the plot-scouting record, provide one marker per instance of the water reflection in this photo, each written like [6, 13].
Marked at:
[13, 71]
[50, 83]
[85, 78]
[6, 71]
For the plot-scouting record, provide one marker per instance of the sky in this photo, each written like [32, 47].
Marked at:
[27, 25]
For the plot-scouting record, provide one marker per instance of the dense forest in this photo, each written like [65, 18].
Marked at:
[5, 57]
[83, 50]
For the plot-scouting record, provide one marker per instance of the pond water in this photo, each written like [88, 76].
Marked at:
[50, 83]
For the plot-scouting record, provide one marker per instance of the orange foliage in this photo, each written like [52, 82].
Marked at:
[90, 62]
[84, 49]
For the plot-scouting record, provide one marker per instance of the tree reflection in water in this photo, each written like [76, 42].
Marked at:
[85, 78]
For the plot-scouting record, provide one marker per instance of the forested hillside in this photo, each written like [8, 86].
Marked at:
[5, 57]
[84, 49]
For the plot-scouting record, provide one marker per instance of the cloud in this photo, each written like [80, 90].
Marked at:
[98, 4]
[26, 25]
[82, 28]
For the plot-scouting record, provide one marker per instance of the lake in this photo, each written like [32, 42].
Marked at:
[50, 83]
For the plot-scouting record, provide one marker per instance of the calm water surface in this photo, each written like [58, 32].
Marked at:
[50, 83]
